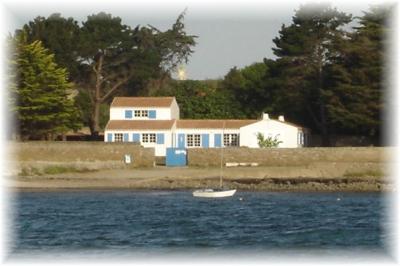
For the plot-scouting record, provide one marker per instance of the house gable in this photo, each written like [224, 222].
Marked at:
[144, 108]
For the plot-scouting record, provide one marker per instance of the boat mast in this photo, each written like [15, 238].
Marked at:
[222, 155]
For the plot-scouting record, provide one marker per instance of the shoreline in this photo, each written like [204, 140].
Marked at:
[161, 178]
[152, 190]
[86, 165]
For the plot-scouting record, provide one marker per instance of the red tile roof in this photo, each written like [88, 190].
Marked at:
[142, 101]
[191, 123]
[139, 124]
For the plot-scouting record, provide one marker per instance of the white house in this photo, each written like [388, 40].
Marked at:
[154, 122]
[290, 135]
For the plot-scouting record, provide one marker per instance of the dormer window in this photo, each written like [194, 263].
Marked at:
[141, 113]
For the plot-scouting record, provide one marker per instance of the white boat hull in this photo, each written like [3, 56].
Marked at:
[210, 193]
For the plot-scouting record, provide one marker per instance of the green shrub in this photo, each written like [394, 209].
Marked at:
[57, 169]
[269, 142]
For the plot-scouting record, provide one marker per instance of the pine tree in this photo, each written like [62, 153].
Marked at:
[42, 105]
[357, 77]
[58, 34]
[304, 49]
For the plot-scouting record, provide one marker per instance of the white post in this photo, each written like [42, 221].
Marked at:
[222, 154]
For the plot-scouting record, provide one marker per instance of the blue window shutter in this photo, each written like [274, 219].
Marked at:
[204, 140]
[160, 138]
[109, 137]
[136, 137]
[126, 137]
[181, 140]
[217, 140]
[128, 113]
[152, 114]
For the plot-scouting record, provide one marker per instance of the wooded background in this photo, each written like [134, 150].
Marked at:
[326, 76]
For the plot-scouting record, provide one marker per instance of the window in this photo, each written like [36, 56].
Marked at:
[118, 137]
[231, 140]
[300, 138]
[197, 140]
[145, 113]
[145, 138]
[235, 139]
[152, 138]
[141, 113]
[189, 140]
[149, 138]
[193, 140]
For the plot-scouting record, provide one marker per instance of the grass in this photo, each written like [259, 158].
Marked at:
[52, 170]
[367, 173]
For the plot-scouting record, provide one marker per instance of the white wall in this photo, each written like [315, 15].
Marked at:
[284, 132]
[160, 149]
[118, 113]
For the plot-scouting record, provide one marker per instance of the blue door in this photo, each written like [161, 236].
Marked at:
[176, 157]
[181, 140]
[217, 140]
[204, 141]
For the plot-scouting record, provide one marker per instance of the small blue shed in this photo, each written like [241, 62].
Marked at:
[176, 157]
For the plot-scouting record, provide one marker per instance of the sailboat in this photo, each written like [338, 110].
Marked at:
[218, 192]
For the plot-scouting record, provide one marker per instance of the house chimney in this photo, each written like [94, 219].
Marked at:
[265, 116]
[281, 118]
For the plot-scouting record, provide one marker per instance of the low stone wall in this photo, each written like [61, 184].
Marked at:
[92, 155]
[286, 156]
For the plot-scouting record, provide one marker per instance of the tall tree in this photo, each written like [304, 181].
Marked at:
[42, 103]
[357, 78]
[107, 52]
[60, 36]
[113, 54]
[304, 48]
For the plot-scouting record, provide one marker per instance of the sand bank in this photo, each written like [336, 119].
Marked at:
[243, 178]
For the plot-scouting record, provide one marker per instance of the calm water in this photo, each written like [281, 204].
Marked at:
[156, 221]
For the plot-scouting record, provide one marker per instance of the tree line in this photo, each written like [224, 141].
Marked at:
[326, 75]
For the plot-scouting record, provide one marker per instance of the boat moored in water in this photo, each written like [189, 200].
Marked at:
[213, 193]
[217, 192]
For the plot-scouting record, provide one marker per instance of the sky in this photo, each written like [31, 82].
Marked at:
[229, 34]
